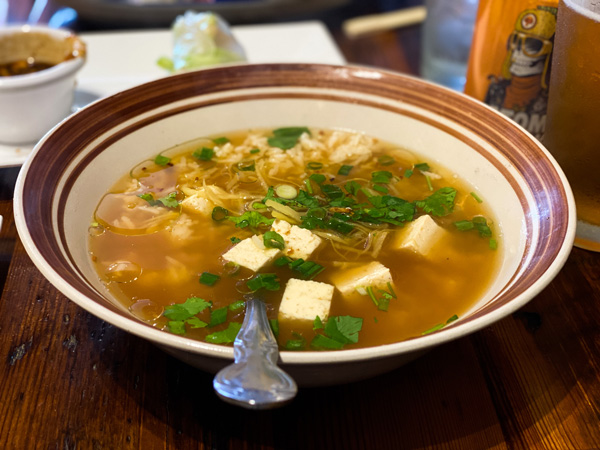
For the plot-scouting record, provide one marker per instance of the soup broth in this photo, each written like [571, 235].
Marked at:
[380, 245]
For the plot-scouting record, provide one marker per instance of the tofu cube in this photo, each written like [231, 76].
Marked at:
[299, 242]
[247, 254]
[361, 276]
[419, 236]
[305, 300]
[196, 204]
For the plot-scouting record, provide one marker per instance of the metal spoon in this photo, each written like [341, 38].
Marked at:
[254, 380]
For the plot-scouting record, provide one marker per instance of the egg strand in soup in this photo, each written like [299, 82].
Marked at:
[351, 241]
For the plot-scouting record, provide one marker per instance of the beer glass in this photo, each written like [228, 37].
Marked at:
[573, 119]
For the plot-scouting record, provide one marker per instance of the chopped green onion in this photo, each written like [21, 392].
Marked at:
[204, 154]
[476, 197]
[423, 167]
[286, 191]
[219, 214]
[345, 170]
[314, 165]
[245, 166]
[386, 160]
[162, 160]
[369, 290]
[209, 279]
[428, 179]
[259, 205]
[220, 141]
[308, 185]
[226, 336]
[272, 239]
[254, 151]
[381, 189]
[464, 225]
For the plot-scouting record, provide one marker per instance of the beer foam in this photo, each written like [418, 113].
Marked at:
[588, 8]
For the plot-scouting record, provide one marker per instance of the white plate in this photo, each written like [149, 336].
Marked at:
[120, 60]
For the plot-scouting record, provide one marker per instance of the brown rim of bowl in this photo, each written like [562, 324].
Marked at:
[58, 150]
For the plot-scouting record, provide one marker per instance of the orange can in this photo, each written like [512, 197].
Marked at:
[510, 59]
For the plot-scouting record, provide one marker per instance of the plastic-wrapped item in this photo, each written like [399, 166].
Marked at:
[200, 40]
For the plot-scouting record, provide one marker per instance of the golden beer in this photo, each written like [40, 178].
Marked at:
[573, 121]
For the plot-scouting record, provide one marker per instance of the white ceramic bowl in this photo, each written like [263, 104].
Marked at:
[33, 103]
[72, 167]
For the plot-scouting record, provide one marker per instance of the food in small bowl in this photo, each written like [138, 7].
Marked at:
[37, 80]
[378, 215]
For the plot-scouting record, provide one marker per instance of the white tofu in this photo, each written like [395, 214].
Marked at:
[419, 236]
[299, 242]
[305, 300]
[361, 276]
[247, 254]
[196, 204]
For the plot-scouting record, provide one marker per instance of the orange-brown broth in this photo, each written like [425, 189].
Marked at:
[428, 292]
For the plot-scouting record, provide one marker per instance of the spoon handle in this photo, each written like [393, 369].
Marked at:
[254, 380]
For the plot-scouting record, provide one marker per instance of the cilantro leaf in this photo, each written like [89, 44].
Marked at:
[274, 323]
[208, 278]
[226, 336]
[183, 311]
[286, 138]
[440, 203]
[344, 329]
[170, 201]
[218, 316]
[251, 219]
[269, 281]
[321, 342]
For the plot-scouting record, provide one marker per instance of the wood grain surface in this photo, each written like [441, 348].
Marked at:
[71, 381]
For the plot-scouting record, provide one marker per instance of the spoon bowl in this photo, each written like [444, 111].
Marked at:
[254, 380]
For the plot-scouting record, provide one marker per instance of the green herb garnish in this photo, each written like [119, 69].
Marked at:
[204, 154]
[181, 314]
[218, 316]
[423, 167]
[296, 344]
[272, 239]
[314, 165]
[386, 160]
[162, 160]
[268, 281]
[382, 176]
[439, 326]
[220, 140]
[286, 138]
[226, 336]
[235, 240]
[476, 197]
[209, 279]
[440, 203]
[238, 304]
[254, 150]
[251, 219]
[345, 170]
[339, 331]
[219, 214]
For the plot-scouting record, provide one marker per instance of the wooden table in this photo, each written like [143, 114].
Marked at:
[71, 381]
